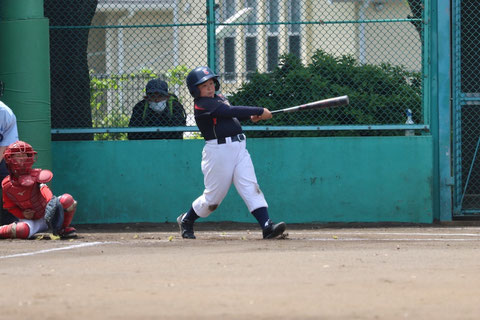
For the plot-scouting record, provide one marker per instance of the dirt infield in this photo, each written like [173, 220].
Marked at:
[149, 272]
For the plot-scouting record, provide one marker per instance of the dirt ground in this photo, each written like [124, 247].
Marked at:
[143, 271]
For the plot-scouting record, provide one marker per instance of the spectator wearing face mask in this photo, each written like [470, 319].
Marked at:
[159, 108]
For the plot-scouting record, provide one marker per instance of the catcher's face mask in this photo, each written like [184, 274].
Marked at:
[19, 158]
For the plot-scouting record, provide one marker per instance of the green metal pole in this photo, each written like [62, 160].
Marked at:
[440, 111]
[426, 64]
[456, 106]
[211, 35]
[25, 72]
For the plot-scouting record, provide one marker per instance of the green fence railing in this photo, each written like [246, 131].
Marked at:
[275, 54]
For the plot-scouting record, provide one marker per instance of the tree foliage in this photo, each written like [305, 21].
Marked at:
[379, 94]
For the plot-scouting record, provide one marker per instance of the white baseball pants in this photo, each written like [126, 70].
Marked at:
[223, 164]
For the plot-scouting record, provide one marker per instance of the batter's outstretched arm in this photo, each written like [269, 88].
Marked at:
[236, 111]
[264, 116]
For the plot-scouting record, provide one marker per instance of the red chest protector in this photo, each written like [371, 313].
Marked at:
[27, 192]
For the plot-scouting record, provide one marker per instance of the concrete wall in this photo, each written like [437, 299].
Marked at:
[344, 179]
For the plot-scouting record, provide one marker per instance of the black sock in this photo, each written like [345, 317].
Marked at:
[261, 214]
[191, 216]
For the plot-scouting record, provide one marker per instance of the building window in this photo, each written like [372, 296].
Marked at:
[272, 53]
[229, 43]
[250, 55]
[273, 15]
[294, 30]
[251, 39]
[294, 45]
[272, 38]
[228, 9]
[229, 51]
[252, 17]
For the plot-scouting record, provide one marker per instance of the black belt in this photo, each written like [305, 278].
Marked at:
[237, 137]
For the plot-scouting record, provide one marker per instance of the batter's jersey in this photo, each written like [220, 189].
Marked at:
[216, 118]
[8, 126]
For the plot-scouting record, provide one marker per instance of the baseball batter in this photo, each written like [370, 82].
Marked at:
[225, 158]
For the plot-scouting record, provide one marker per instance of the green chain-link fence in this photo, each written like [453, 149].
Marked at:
[273, 53]
[466, 106]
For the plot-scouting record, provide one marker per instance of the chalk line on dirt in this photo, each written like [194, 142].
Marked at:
[75, 246]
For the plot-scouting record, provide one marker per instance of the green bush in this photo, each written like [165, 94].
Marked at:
[379, 94]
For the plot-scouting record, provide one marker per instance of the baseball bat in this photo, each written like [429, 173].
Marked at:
[320, 104]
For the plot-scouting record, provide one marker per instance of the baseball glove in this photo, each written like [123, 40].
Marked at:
[54, 215]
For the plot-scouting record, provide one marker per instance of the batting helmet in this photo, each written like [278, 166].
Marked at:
[19, 158]
[200, 75]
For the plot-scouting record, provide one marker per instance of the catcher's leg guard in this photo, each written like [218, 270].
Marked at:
[69, 207]
[19, 230]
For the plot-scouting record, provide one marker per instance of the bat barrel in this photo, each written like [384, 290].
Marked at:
[327, 103]
[321, 104]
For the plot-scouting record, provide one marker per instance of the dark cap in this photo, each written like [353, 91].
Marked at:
[157, 86]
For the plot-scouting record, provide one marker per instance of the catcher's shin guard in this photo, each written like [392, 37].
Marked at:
[19, 230]
[69, 207]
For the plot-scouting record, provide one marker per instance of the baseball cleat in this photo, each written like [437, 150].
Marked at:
[68, 233]
[186, 227]
[274, 230]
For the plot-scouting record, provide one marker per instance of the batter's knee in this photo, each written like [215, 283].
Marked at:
[212, 207]
[203, 207]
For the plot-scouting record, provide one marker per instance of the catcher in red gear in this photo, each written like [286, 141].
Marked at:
[27, 197]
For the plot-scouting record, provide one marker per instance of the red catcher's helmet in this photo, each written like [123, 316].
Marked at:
[19, 158]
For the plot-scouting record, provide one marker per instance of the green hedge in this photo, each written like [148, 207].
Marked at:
[379, 94]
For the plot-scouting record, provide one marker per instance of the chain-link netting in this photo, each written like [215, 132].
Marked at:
[467, 105]
[274, 54]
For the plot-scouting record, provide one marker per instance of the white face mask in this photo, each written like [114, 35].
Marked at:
[158, 106]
